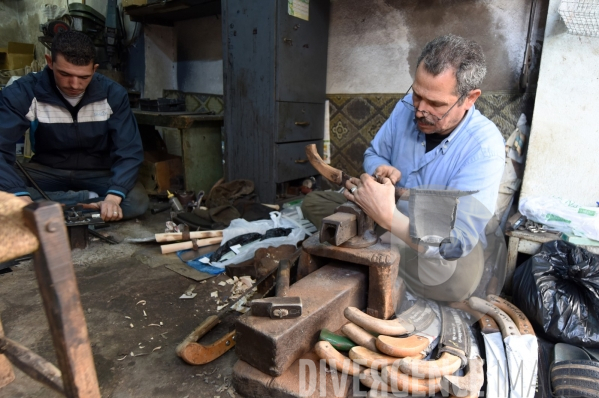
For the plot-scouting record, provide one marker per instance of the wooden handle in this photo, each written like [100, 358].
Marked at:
[417, 386]
[445, 365]
[394, 327]
[275, 207]
[198, 332]
[514, 312]
[175, 236]
[486, 323]
[360, 336]
[32, 364]
[175, 247]
[335, 360]
[507, 326]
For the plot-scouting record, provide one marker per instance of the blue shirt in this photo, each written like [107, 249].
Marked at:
[471, 158]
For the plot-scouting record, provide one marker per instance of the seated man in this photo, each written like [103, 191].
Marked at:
[83, 133]
[434, 139]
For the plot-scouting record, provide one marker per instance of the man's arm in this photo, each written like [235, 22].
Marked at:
[377, 158]
[13, 124]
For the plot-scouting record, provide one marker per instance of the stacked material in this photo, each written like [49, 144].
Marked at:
[394, 356]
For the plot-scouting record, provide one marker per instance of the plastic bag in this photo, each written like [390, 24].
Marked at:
[558, 290]
[241, 227]
[562, 215]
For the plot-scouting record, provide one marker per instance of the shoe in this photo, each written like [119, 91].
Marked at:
[574, 373]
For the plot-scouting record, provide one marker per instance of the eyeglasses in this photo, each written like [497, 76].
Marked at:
[427, 114]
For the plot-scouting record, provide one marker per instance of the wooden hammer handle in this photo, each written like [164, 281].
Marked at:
[175, 236]
[175, 247]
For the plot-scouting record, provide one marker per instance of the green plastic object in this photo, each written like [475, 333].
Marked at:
[340, 343]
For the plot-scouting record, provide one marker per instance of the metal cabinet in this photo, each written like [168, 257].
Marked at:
[275, 87]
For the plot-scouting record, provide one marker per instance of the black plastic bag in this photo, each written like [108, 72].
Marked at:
[558, 290]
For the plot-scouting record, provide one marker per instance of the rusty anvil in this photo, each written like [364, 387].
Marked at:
[348, 229]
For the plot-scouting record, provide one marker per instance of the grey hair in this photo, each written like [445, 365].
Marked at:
[464, 56]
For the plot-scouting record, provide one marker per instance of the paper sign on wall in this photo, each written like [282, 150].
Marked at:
[299, 8]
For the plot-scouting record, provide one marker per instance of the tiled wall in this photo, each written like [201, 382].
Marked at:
[197, 102]
[355, 120]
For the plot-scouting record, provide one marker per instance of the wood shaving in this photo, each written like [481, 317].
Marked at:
[128, 317]
[145, 313]
[222, 283]
[130, 325]
[142, 302]
[230, 281]
[154, 324]
[120, 359]
[156, 348]
[214, 294]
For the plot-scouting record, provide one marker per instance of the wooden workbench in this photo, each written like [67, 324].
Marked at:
[201, 144]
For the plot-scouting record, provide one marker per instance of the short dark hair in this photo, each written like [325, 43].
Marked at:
[76, 47]
[463, 55]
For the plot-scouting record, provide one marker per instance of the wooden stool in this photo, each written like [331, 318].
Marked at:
[41, 226]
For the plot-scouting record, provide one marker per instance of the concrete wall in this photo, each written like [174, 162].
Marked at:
[161, 60]
[199, 55]
[562, 152]
[20, 21]
[374, 45]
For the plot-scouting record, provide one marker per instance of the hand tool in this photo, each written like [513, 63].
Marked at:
[194, 244]
[195, 353]
[338, 342]
[363, 356]
[360, 336]
[416, 386]
[371, 378]
[339, 177]
[280, 306]
[497, 372]
[470, 384]
[453, 351]
[523, 350]
[417, 343]
[392, 327]
[277, 307]
[336, 360]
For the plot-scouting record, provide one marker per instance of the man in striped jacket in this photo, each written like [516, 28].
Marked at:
[83, 133]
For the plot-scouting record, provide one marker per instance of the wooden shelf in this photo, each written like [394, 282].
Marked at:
[167, 13]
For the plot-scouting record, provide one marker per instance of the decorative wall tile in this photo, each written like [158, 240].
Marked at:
[355, 120]
[197, 102]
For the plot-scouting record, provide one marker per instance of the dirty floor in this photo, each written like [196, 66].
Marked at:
[134, 316]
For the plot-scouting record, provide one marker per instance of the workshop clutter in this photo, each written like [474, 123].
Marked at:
[558, 290]
[562, 215]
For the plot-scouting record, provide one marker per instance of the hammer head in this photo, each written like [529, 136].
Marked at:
[277, 307]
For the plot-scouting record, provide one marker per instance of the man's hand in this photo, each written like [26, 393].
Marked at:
[376, 199]
[390, 172]
[25, 198]
[110, 209]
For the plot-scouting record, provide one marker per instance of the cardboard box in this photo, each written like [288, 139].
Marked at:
[160, 172]
[16, 56]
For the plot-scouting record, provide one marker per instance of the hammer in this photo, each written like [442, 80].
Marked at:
[280, 306]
